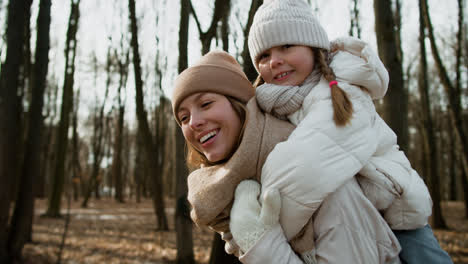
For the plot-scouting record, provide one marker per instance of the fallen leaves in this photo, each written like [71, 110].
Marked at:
[111, 232]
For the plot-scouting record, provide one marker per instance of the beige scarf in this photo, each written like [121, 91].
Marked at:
[211, 189]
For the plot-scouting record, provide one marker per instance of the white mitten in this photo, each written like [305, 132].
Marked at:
[230, 246]
[249, 219]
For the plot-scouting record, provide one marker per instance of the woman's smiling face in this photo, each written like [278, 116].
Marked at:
[210, 124]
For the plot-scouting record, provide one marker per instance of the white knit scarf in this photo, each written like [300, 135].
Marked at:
[282, 101]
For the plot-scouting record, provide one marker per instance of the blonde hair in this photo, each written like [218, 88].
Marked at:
[195, 159]
[342, 106]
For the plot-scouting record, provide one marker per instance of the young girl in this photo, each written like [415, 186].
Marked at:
[338, 131]
[228, 143]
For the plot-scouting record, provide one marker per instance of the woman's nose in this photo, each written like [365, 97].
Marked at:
[196, 121]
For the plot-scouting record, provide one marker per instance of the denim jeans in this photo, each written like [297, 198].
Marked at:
[421, 246]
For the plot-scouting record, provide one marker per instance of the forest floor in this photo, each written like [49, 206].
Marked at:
[111, 232]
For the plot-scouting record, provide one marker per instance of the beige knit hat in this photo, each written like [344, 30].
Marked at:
[216, 72]
[279, 22]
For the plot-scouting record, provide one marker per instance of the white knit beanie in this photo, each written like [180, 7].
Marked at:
[280, 22]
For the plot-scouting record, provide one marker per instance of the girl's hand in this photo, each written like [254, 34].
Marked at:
[250, 220]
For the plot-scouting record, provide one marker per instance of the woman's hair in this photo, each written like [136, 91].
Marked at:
[342, 106]
[196, 159]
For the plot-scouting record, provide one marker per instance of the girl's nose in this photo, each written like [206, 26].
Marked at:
[276, 59]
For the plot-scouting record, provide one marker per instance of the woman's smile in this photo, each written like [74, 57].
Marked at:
[210, 124]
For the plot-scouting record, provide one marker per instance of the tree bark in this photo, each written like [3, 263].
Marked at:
[77, 180]
[9, 112]
[118, 140]
[396, 100]
[427, 120]
[183, 223]
[458, 84]
[248, 65]
[58, 176]
[149, 147]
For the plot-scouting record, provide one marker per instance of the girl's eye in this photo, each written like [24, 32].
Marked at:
[263, 56]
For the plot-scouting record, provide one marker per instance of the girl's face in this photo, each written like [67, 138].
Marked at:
[210, 123]
[286, 64]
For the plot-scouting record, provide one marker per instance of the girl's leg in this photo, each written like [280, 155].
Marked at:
[421, 246]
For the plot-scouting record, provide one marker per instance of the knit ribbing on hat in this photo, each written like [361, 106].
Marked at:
[216, 72]
[280, 22]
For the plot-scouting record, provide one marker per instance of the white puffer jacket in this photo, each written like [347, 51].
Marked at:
[319, 157]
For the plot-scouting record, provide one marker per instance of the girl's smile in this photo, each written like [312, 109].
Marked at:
[286, 64]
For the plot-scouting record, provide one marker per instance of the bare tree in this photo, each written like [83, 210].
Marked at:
[454, 106]
[21, 223]
[221, 9]
[143, 126]
[183, 223]
[396, 100]
[58, 175]
[77, 179]
[9, 111]
[97, 138]
[248, 66]
[122, 66]
[430, 149]
[458, 81]
[355, 28]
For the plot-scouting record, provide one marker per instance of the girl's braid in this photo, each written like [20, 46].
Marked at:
[342, 106]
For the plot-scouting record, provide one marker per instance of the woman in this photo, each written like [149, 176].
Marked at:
[348, 229]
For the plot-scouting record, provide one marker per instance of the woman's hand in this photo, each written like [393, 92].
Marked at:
[250, 220]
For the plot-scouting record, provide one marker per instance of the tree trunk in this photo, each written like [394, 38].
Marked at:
[76, 165]
[458, 87]
[225, 31]
[137, 170]
[117, 159]
[355, 28]
[183, 223]
[249, 68]
[21, 223]
[396, 100]
[431, 142]
[149, 147]
[9, 112]
[454, 106]
[58, 176]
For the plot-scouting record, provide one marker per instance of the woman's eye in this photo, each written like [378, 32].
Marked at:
[183, 118]
[205, 104]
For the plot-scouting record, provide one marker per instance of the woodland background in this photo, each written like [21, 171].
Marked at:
[89, 150]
